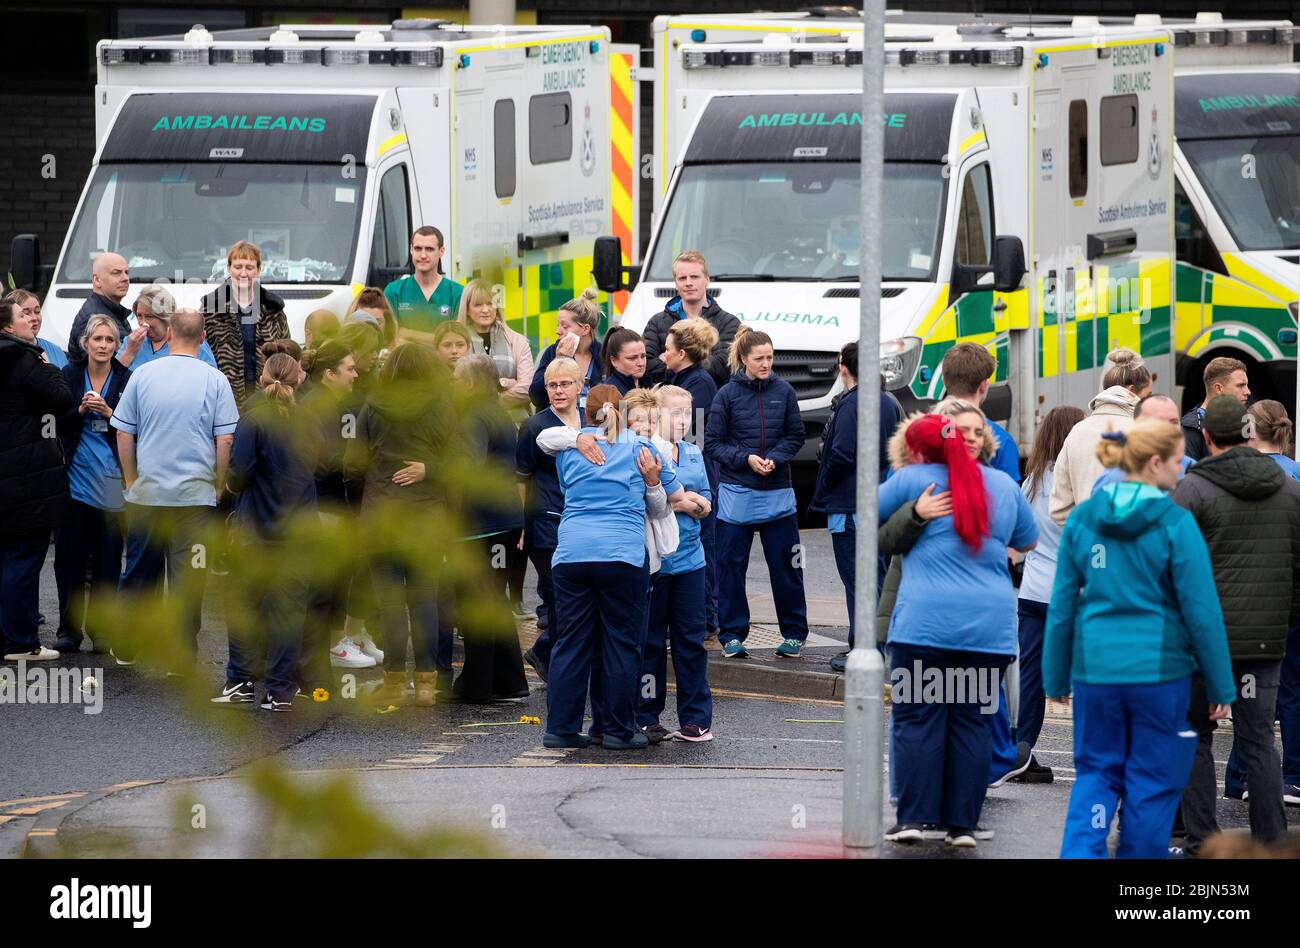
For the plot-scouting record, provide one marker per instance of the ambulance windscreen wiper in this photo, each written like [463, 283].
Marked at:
[743, 278]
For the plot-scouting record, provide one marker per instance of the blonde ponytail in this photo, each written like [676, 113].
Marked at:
[1131, 450]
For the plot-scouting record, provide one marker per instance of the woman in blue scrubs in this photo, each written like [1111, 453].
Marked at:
[93, 531]
[601, 575]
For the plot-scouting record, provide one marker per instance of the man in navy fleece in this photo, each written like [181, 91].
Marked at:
[837, 466]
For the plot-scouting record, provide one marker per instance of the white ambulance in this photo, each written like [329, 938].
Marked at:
[327, 145]
[1236, 190]
[1004, 153]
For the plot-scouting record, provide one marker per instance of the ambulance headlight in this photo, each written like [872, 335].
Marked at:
[1295, 310]
[899, 359]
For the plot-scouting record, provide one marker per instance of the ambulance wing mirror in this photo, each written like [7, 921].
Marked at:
[1008, 264]
[25, 261]
[607, 266]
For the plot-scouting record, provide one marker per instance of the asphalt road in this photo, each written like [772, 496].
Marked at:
[769, 785]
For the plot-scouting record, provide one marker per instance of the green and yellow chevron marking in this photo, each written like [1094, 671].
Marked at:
[1237, 311]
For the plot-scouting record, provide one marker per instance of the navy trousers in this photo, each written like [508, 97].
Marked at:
[541, 560]
[942, 749]
[399, 589]
[844, 546]
[1033, 702]
[1132, 743]
[677, 614]
[780, 540]
[89, 537]
[270, 647]
[21, 559]
[602, 612]
[161, 542]
[493, 665]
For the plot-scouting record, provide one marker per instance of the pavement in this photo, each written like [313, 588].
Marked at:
[160, 772]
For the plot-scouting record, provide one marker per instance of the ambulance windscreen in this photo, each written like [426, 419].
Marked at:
[1241, 135]
[819, 127]
[174, 222]
[798, 221]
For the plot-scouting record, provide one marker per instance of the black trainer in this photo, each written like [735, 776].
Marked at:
[538, 665]
[236, 692]
[270, 703]
[1036, 773]
[655, 733]
[906, 833]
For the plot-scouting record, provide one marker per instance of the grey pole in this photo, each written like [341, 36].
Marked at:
[865, 673]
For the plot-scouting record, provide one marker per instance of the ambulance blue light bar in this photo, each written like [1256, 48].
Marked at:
[1238, 36]
[274, 56]
[714, 59]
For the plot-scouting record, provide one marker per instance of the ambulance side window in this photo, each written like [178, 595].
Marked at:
[1191, 242]
[503, 147]
[975, 219]
[1119, 129]
[392, 221]
[550, 128]
[1078, 148]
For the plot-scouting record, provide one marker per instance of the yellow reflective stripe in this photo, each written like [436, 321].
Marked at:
[388, 144]
[970, 141]
[531, 42]
[937, 306]
[1242, 270]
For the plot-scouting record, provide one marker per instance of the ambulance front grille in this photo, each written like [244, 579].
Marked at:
[810, 373]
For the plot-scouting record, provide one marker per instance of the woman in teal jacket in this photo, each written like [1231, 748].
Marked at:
[1133, 613]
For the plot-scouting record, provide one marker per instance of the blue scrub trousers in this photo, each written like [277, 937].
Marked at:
[1288, 709]
[541, 560]
[601, 608]
[941, 752]
[1004, 744]
[1131, 743]
[676, 613]
[780, 540]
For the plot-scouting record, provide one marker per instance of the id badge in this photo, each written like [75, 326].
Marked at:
[99, 424]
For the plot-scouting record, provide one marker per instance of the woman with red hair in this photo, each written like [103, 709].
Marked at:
[953, 629]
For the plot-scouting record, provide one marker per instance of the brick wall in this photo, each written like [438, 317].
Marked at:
[61, 125]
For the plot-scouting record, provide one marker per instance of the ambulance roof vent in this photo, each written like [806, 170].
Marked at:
[198, 35]
[983, 28]
[832, 13]
[1085, 23]
[1147, 19]
[421, 30]
[283, 37]
[372, 37]
[1208, 17]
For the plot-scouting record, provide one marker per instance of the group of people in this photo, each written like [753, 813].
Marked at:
[1158, 557]
[1159, 593]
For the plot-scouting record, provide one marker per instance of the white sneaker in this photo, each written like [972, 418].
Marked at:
[345, 654]
[366, 645]
[38, 654]
[120, 661]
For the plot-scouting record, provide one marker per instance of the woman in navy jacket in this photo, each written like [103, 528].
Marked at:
[624, 358]
[92, 533]
[755, 431]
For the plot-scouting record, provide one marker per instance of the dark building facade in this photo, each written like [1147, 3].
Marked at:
[47, 76]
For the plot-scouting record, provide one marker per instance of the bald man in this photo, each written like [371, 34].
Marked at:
[110, 280]
[1156, 408]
